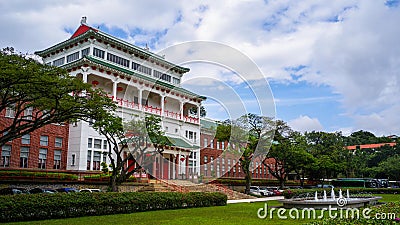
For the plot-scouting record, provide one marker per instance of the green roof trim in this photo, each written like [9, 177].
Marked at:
[206, 124]
[180, 143]
[102, 35]
[175, 141]
[134, 74]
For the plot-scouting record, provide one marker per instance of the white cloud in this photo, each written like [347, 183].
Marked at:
[349, 45]
[305, 123]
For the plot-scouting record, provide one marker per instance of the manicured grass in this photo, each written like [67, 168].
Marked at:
[388, 197]
[243, 213]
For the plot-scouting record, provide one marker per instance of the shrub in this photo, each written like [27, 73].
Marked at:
[20, 174]
[51, 206]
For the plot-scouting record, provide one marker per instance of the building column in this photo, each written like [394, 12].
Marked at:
[178, 164]
[181, 109]
[187, 167]
[114, 91]
[140, 97]
[85, 77]
[162, 105]
[173, 166]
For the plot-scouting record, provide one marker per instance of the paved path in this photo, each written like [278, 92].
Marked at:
[256, 199]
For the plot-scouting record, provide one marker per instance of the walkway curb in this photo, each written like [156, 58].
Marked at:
[249, 200]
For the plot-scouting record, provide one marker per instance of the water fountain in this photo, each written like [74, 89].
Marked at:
[334, 201]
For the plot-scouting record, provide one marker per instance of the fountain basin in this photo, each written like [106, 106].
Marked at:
[326, 203]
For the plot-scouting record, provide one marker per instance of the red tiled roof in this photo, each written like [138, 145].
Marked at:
[353, 147]
[81, 30]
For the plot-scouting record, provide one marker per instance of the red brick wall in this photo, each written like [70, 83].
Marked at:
[52, 131]
[212, 151]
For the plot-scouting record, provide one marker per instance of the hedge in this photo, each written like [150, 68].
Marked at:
[254, 182]
[27, 207]
[30, 174]
[290, 193]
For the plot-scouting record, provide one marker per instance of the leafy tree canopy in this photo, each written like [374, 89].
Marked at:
[35, 95]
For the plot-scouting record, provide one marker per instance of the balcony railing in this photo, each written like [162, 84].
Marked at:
[154, 110]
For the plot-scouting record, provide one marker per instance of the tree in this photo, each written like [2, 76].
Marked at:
[35, 95]
[329, 152]
[251, 134]
[390, 168]
[278, 152]
[203, 111]
[130, 140]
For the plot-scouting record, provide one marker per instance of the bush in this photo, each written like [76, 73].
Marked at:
[20, 174]
[254, 182]
[51, 206]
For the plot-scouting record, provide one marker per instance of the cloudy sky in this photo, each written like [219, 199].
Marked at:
[331, 65]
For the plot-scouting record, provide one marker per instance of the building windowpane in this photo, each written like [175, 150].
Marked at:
[42, 158]
[58, 62]
[96, 160]
[89, 160]
[99, 53]
[26, 139]
[10, 111]
[97, 143]
[58, 142]
[24, 155]
[90, 142]
[44, 140]
[72, 57]
[105, 144]
[85, 52]
[28, 113]
[57, 159]
[5, 156]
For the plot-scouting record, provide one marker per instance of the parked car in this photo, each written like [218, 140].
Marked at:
[275, 190]
[67, 190]
[10, 191]
[90, 190]
[256, 190]
[42, 190]
[325, 186]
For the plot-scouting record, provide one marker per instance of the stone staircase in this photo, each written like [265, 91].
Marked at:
[155, 186]
[187, 186]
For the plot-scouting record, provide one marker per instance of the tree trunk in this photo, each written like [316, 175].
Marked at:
[113, 183]
[302, 180]
[281, 182]
[247, 178]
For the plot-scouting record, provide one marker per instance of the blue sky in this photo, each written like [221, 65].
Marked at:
[331, 65]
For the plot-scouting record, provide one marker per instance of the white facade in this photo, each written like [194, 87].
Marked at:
[139, 82]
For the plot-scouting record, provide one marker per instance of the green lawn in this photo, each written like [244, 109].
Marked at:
[243, 213]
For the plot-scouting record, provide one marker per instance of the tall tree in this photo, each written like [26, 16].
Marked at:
[140, 140]
[33, 95]
[250, 134]
[329, 153]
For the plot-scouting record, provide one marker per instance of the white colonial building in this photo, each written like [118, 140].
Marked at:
[141, 83]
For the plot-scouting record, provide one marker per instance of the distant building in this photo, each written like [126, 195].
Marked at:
[370, 146]
[218, 161]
